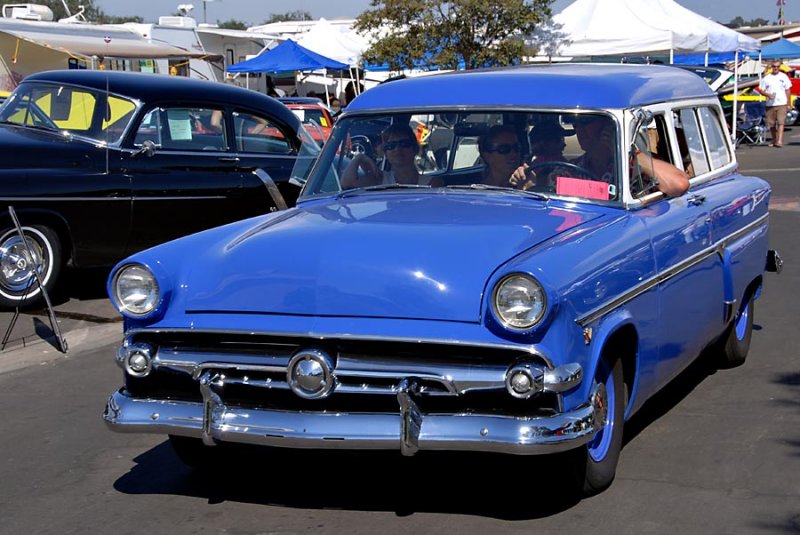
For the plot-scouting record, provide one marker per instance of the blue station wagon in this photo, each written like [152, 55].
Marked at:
[413, 301]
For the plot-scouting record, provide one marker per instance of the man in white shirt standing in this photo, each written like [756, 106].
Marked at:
[776, 86]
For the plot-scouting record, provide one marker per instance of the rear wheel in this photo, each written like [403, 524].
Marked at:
[735, 344]
[18, 286]
[597, 462]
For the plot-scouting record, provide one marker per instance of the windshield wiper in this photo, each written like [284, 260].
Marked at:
[502, 189]
[379, 187]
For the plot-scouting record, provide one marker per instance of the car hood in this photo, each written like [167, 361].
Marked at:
[386, 256]
[33, 148]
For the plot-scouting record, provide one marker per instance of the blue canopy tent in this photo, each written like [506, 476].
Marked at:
[781, 49]
[288, 56]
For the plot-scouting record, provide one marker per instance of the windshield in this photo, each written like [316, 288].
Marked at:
[566, 154]
[63, 108]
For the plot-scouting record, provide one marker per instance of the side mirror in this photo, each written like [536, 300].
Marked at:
[641, 117]
[148, 149]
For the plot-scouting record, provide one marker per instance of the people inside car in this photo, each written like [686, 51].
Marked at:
[596, 136]
[400, 148]
[500, 151]
[547, 142]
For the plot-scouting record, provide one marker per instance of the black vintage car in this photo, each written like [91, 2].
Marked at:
[98, 165]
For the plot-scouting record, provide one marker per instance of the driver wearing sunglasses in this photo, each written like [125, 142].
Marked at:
[400, 147]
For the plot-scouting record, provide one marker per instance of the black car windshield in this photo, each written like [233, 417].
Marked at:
[64, 108]
[554, 153]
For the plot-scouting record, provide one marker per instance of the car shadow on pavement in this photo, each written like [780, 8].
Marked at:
[495, 486]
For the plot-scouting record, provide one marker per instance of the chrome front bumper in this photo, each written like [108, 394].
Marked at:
[409, 430]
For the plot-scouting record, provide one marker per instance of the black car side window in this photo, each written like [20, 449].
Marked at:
[185, 129]
[259, 134]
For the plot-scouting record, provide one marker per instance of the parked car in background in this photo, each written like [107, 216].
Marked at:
[314, 115]
[465, 316]
[98, 165]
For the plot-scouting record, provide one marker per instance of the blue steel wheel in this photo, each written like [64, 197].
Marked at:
[601, 454]
[736, 342]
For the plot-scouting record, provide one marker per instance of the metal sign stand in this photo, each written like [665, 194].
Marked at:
[62, 342]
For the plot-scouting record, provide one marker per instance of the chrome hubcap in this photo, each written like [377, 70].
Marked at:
[16, 266]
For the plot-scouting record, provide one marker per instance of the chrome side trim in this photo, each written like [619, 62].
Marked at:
[716, 249]
[351, 431]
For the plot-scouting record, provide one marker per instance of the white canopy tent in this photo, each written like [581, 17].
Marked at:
[341, 44]
[323, 38]
[625, 27]
[639, 27]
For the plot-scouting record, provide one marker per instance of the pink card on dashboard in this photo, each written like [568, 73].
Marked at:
[578, 187]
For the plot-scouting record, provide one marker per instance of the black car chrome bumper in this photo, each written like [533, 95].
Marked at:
[408, 431]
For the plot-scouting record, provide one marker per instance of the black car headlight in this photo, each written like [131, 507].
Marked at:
[136, 290]
[519, 301]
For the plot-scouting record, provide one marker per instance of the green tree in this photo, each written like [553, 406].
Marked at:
[447, 33]
[232, 24]
[297, 14]
[91, 12]
[738, 22]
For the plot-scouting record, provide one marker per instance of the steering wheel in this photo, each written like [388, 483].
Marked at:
[360, 144]
[544, 184]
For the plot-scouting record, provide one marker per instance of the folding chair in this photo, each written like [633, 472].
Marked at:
[751, 127]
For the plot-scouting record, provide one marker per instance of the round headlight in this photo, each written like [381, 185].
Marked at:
[136, 290]
[519, 301]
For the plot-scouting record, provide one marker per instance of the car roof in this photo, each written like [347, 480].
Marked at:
[148, 87]
[569, 85]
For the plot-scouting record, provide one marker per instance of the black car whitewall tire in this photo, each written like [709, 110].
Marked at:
[18, 286]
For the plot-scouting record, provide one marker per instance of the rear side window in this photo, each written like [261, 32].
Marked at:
[258, 134]
[715, 140]
[690, 142]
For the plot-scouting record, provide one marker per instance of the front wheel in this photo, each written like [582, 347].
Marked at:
[597, 460]
[18, 286]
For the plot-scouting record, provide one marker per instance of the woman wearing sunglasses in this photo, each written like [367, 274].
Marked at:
[501, 151]
[400, 147]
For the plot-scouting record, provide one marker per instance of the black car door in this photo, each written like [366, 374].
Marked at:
[184, 175]
[267, 144]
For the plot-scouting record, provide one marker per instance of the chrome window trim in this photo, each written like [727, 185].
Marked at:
[717, 249]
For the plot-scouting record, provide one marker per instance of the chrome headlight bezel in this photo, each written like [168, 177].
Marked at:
[539, 306]
[149, 287]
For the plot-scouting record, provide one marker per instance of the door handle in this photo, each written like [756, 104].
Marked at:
[233, 159]
[696, 200]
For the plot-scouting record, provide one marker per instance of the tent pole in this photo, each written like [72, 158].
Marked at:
[671, 56]
[327, 97]
[706, 63]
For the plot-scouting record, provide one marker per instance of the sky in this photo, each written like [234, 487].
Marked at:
[253, 12]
